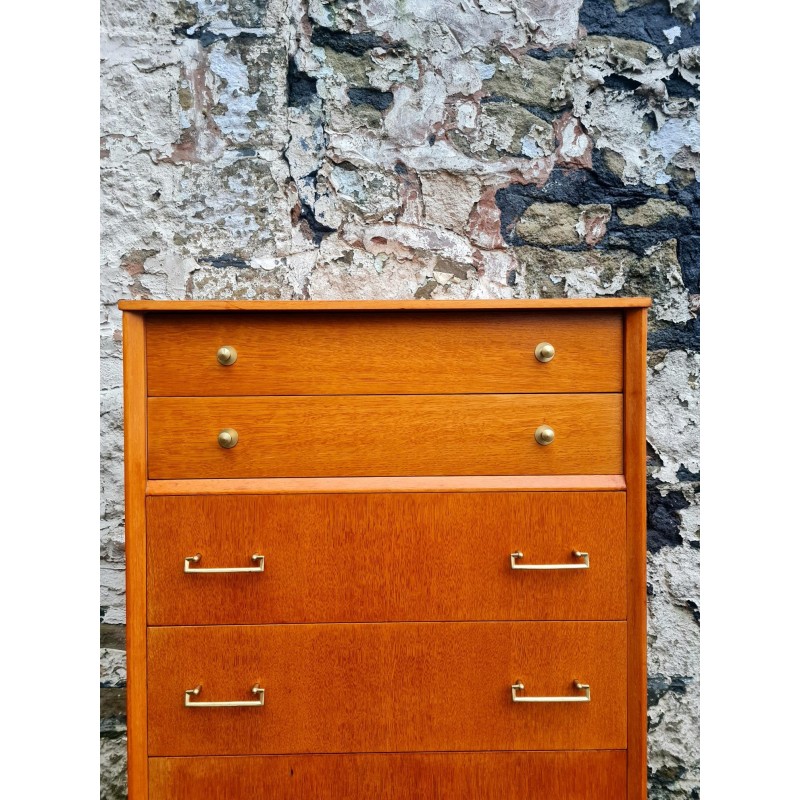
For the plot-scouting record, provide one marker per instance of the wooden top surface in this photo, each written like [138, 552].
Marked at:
[381, 305]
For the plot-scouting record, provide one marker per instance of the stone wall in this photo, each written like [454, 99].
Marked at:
[327, 149]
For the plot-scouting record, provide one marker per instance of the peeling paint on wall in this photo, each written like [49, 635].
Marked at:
[445, 149]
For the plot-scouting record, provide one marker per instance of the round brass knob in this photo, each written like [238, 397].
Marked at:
[544, 435]
[227, 438]
[544, 352]
[226, 356]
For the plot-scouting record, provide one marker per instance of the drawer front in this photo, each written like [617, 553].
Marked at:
[598, 775]
[385, 435]
[409, 352]
[385, 557]
[386, 688]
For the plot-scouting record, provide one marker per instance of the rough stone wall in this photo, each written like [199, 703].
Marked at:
[324, 149]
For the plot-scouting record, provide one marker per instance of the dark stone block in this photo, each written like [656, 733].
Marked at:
[678, 86]
[663, 520]
[646, 24]
[689, 257]
[370, 97]
[620, 83]
[225, 260]
[659, 685]
[356, 44]
[686, 475]
[301, 88]
[113, 715]
[112, 636]
[676, 336]
[546, 55]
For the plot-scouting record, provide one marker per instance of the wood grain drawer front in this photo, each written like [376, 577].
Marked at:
[385, 435]
[386, 688]
[589, 775]
[385, 557]
[384, 353]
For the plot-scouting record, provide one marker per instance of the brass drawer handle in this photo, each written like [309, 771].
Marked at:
[576, 553]
[544, 435]
[227, 355]
[189, 703]
[227, 438]
[189, 560]
[584, 687]
[544, 352]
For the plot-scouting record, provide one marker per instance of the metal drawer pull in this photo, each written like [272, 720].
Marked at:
[544, 352]
[544, 435]
[227, 355]
[519, 686]
[189, 703]
[228, 438]
[576, 553]
[187, 562]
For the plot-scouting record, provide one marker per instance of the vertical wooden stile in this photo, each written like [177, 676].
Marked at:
[635, 383]
[135, 437]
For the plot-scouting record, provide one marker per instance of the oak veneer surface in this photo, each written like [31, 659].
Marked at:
[427, 483]
[384, 435]
[395, 687]
[386, 467]
[384, 353]
[386, 557]
[341, 306]
[587, 775]
[636, 516]
[135, 427]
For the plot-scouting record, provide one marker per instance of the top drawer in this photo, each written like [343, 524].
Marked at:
[405, 352]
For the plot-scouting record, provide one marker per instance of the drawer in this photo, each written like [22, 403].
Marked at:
[385, 435]
[405, 352]
[385, 557]
[386, 687]
[591, 775]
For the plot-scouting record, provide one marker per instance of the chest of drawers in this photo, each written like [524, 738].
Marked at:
[385, 549]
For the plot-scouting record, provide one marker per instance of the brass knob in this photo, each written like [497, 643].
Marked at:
[227, 438]
[544, 435]
[226, 356]
[544, 352]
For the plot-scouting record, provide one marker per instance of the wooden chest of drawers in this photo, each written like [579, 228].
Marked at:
[385, 549]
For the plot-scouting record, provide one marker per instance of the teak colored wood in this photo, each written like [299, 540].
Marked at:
[635, 475]
[585, 775]
[560, 304]
[482, 434]
[135, 443]
[386, 468]
[407, 557]
[386, 687]
[435, 483]
[384, 353]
